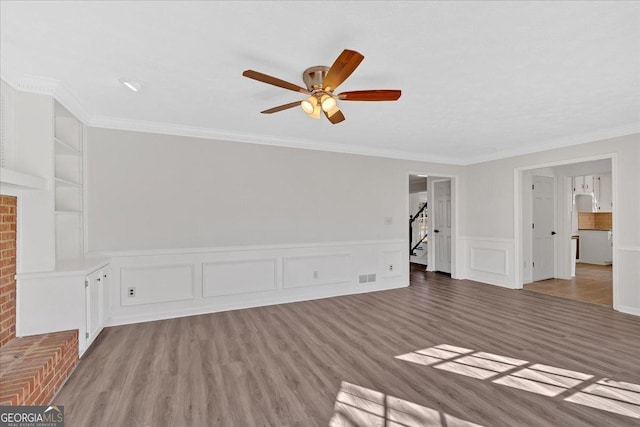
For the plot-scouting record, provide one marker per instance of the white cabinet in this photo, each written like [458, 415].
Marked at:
[583, 184]
[97, 303]
[596, 247]
[603, 193]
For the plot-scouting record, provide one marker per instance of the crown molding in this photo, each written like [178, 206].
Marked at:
[229, 136]
[56, 89]
[556, 143]
[50, 87]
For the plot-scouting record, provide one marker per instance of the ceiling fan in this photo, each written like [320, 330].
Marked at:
[321, 81]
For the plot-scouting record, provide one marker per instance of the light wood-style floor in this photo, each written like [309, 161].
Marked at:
[592, 283]
[334, 362]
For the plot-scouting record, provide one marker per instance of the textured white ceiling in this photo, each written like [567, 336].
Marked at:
[480, 80]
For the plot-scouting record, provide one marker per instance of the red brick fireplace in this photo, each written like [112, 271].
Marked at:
[7, 269]
[32, 369]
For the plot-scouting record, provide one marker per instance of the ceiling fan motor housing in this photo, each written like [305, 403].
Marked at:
[313, 77]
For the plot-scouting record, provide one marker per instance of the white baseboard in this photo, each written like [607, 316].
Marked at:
[490, 281]
[280, 299]
[629, 310]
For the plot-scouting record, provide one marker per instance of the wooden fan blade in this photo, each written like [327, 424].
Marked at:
[342, 68]
[370, 95]
[336, 116]
[255, 75]
[281, 107]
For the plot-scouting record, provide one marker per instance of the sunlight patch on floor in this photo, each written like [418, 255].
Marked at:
[613, 396]
[608, 395]
[543, 379]
[357, 406]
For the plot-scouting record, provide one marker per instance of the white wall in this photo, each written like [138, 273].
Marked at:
[148, 191]
[488, 207]
[197, 226]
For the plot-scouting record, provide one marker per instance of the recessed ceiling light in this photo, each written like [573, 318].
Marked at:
[134, 86]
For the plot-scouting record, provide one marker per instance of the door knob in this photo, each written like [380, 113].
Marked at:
[553, 233]
[436, 231]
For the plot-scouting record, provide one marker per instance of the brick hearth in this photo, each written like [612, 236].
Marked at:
[32, 369]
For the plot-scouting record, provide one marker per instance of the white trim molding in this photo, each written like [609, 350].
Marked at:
[599, 135]
[232, 136]
[52, 87]
[57, 89]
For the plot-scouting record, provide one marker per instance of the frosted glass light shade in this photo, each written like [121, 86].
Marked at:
[309, 104]
[316, 112]
[328, 103]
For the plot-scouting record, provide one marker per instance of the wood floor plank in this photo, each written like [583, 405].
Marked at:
[592, 283]
[285, 365]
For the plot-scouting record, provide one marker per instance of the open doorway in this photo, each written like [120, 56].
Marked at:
[432, 223]
[567, 230]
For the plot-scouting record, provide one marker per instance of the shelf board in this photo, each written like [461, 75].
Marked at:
[68, 212]
[64, 149]
[22, 181]
[66, 183]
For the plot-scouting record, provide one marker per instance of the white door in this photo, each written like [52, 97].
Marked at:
[543, 228]
[442, 225]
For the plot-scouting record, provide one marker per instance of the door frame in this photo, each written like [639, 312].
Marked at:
[456, 248]
[565, 236]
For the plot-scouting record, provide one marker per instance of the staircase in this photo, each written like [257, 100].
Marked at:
[421, 214]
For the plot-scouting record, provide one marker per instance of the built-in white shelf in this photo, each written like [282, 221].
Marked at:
[68, 178]
[10, 178]
[64, 149]
[67, 183]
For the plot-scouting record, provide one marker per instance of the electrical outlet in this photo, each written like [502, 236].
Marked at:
[362, 278]
[316, 274]
[131, 292]
[371, 277]
[390, 267]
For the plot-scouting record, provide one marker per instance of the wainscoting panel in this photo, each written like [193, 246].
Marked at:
[238, 277]
[489, 261]
[316, 270]
[154, 284]
[183, 282]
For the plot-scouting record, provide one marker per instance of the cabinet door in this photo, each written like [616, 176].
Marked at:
[578, 184]
[93, 288]
[604, 202]
[106, 301]
[588, 184]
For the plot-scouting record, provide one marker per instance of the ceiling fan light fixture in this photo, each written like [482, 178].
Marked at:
[309, 104]
[316, 112]
[333, 110]
[328, 103]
